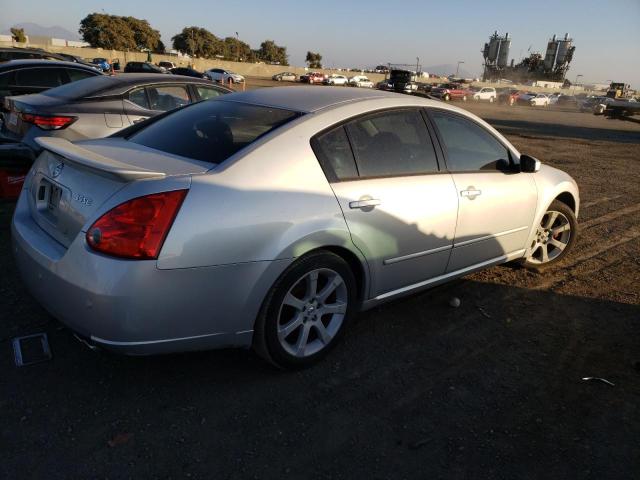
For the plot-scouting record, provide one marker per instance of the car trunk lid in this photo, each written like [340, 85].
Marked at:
[69, 182]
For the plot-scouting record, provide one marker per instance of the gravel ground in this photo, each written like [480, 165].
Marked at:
[418, 389]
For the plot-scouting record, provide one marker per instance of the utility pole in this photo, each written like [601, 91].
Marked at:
[237, 47]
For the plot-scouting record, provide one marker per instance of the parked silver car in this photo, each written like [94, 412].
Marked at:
[267, 218]
[100, 106]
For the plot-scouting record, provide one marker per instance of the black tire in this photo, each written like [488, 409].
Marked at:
[266, 342]
[565, 210]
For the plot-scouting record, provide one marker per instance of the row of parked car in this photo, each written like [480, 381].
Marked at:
[361, 81]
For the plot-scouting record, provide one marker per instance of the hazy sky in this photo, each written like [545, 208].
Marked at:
[352, 33]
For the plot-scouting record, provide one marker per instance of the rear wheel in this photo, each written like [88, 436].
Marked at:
[554, 237]
[306, 311]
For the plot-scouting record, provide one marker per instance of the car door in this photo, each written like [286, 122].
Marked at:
[497, 203]
[399, 208]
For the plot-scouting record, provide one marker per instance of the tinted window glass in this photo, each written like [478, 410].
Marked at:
[4, 79]
[211, 131]
[139, 97]
[335, 155]
[470, 147]
[392, 143]
[208, 92]
[168, 97]
[76, 75]
[39, 77]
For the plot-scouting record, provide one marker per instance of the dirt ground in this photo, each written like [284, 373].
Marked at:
[418, 389]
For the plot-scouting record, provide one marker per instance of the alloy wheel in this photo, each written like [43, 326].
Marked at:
[312, 312]
[552, 237]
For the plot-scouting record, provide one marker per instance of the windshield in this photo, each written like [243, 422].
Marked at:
[213, 130]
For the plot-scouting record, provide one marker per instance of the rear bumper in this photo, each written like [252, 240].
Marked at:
[132, 307]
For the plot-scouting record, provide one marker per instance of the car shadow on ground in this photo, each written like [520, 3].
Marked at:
[490, 389]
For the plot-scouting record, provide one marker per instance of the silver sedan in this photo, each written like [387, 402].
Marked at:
[268, 218]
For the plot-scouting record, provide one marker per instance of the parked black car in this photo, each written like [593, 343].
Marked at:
[76, 59]
[11, 53]
[187, 72]
[142, 67]
[22, 77]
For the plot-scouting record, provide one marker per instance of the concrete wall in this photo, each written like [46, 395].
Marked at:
[247, 69]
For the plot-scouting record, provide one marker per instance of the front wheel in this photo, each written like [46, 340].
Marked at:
[554, 237]
[306, 311]
[446, 98]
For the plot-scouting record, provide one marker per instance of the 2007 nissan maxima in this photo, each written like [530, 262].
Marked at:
[267, 218]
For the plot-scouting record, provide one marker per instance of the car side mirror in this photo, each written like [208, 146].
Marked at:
[529, 164]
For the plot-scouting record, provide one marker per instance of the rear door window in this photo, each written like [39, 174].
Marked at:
[167, 97]
[211, 131]
[139, 97]
[336, 157]
[392, 143]
[206, 93]
[40, 77]
[77, 74]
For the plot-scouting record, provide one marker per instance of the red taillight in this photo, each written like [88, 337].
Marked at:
[137, 228]
[47, 122]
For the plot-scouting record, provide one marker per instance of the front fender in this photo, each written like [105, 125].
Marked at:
[551, 183]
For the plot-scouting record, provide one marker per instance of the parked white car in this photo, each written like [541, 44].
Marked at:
[223, 76]
[336, 79]
[360, 81]
[486, 93]
[540, 100]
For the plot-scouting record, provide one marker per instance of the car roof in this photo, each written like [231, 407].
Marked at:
[14, 64]
[107, 85]
[306, 99]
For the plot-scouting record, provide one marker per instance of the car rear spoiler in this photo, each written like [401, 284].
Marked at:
[94, 161]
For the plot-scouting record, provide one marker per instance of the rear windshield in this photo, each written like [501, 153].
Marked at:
[211, 131]
[83, 88]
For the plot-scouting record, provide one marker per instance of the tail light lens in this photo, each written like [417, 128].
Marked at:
[137, 228]
[46, 122]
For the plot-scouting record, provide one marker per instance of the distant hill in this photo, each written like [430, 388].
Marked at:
[40, 31]
[446, 70]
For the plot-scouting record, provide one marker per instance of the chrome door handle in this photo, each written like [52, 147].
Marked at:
[138, 120]
[371, 202]
[470, 193]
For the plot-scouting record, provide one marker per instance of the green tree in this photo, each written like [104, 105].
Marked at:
[198, 42]
[271, 53]
[237, 50]
[107, 31]
[144, 36]
[314, 60]
[18, 35]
